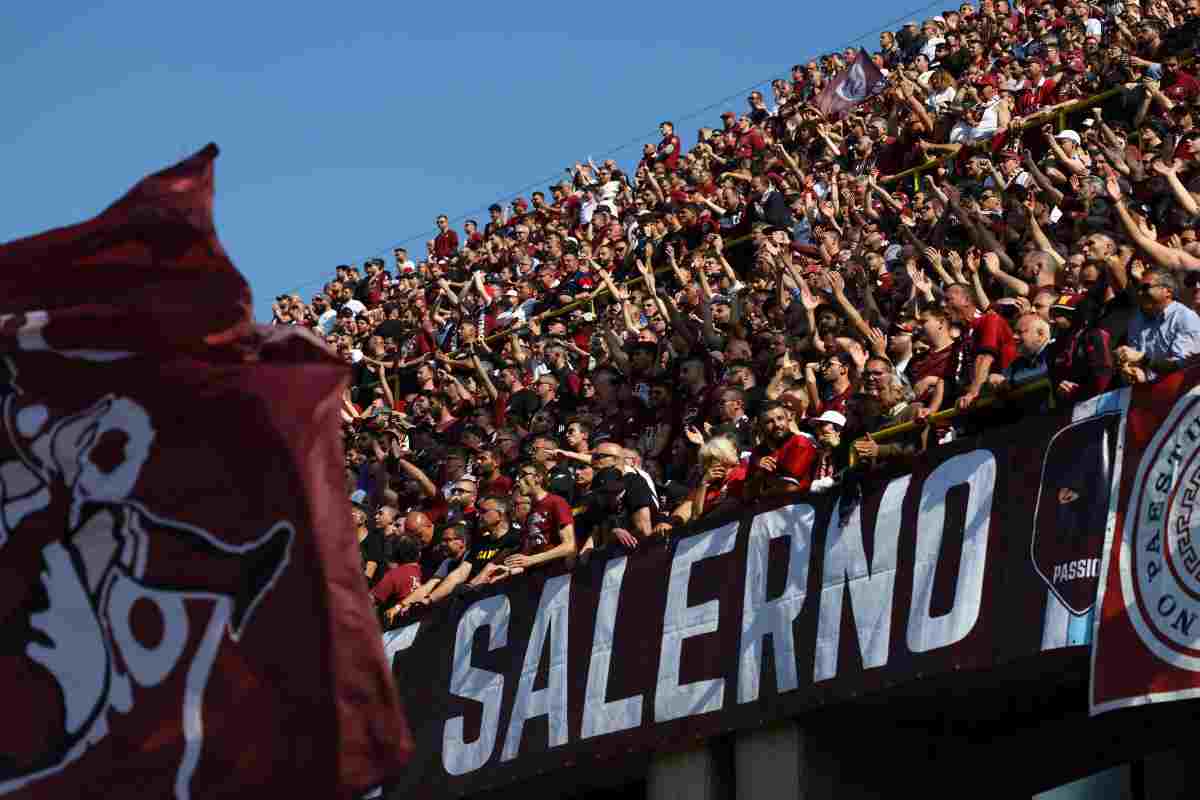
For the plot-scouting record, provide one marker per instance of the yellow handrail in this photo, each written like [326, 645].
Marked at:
[986, 401]
[1057, 113]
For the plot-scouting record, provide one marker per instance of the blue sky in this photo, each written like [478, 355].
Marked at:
[346, 128]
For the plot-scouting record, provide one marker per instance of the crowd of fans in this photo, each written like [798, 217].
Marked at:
[608, 361]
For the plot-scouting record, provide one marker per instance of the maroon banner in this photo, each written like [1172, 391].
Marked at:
[173, 624]
[759, 616]
[1147, 646]
[852, 86]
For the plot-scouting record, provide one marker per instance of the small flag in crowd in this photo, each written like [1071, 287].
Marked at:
[848, 88]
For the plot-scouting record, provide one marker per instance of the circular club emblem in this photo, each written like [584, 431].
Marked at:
[1160, 559]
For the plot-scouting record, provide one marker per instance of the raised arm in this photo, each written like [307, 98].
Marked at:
[1185, 199]
[417, 474]
[838, 283]
[1038, 235]
[1045, 184]
[1164, 256]
[484, 379]
[991, 262]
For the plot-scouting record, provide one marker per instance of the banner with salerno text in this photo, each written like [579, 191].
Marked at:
[988, 552]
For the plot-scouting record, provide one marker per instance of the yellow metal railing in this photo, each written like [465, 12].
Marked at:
[1058, 114]
[985, 401]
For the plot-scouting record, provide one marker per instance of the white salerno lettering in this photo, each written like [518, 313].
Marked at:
[400, 639]
[681, 621]
[600, 716]
[550, 702]
[977, 469]
[872, 586]
[761, 618]
[483, 686]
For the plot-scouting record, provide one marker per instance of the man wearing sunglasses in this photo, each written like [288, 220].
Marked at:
[1163, 334]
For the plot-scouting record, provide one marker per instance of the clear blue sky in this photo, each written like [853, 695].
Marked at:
[346, 128]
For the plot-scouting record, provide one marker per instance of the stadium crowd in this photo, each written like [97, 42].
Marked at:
[628, 351]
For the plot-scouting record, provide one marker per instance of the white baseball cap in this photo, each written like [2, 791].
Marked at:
[836, 417]
[1069, 135]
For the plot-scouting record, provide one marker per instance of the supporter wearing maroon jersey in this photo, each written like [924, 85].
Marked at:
[668, 151]
[445, 246]
[935, 375]
[402, 578]
[785, 460]
[992, 344]
[549, 532]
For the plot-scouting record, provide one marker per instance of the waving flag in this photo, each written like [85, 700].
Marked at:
[184, 614]
[850, 87]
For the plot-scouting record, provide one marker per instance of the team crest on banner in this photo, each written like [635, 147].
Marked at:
[1072, 510]
[1148, 636]
[107, 624]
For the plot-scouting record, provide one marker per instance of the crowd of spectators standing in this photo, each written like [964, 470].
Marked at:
[628, 351]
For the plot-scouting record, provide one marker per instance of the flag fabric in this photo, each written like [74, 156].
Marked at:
[852, 86]
[1147, 634]
[184, 611]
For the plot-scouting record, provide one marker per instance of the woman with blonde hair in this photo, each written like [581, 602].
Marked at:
[724, 477]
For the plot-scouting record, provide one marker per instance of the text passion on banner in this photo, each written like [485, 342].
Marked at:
[174, 624]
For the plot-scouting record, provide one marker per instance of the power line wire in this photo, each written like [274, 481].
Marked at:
[638, 140]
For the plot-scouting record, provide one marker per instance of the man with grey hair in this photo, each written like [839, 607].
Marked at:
[1033, 335]
[1163, 333]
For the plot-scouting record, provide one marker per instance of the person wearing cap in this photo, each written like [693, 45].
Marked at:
[1080, 356]
[827, 431]
[325, 314]
[1067, 147]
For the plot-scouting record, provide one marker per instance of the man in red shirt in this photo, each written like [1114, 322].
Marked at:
[402, 578]
[491, 480]
[549, 532]
[668, 150]
[785, 460]
[1178, 85]
[993, 346]
[750, 143]
[1042, 91]
[445, 246]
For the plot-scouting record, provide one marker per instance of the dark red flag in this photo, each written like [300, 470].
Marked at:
[184, 613]
[851, 86]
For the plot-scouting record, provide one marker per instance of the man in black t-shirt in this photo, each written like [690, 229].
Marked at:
[621, 503]
[483, 562]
